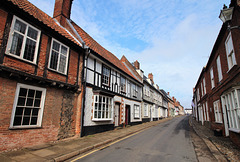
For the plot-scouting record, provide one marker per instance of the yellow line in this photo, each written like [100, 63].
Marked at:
[105, 146]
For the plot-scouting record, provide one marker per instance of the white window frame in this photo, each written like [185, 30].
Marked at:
[122, 84]
[207, 111]
[232, 104]
[108, 114]
[219, 69]
[136, 111]
[212, 78]
[59, 54]
[41, 107]
[204, 86]
[202, 89]
[134, 90]
[25, 37]
[145, 109]
[231, 59]
[198, 95]
[217, 111]
[106, 78]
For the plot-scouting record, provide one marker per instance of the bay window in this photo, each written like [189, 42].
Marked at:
[231, 103]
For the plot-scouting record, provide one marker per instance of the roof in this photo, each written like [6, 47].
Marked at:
[96, 47]
[38, 14]
[41, 16]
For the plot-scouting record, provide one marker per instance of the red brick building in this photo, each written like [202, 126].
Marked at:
[217, 92]
[40, 75]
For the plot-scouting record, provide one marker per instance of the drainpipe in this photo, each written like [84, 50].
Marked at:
[85, 60]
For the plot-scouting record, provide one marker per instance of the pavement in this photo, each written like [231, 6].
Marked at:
[221, 148]
[68, 148]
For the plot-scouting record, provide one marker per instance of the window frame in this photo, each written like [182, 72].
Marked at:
[109, 76]
[212, 78]
[204, 86]
[134, 90]
[10, 39]
[219, 68]
[217, 111]
[110, 108]
[122, 86]
[136, 111]
[232, 52]
[41, 108]
[145, 110]
[59, 54]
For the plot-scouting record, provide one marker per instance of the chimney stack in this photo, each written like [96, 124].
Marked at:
[136, 64]
[62, 10]
[150, 76]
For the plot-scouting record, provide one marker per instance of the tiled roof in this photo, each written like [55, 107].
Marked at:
[96, 47]
[43, 17]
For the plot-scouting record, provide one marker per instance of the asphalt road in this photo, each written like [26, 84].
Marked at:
[169, 141]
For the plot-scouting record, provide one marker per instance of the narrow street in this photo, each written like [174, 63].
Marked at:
[169, 141]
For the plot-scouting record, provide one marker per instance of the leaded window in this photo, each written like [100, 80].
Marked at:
[123, 84]
[59, 57]
[23, 40]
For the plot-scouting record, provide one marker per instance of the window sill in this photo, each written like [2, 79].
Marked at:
[233, 67]
[21, 59]
[234, 130]
[55, 71]
[99, 120]
[24, 127]
[218, 122]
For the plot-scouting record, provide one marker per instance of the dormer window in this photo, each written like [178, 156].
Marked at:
[23, 41]
[105, 75]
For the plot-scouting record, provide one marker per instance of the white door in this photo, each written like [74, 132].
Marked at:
[116, 117]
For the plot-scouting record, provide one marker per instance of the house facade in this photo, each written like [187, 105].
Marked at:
[216, 94]
[40, 77]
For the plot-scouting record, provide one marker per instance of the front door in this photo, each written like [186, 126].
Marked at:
[116, 112]
[127, 115]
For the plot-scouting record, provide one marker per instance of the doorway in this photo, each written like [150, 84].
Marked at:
[117, 114]
[127, 115]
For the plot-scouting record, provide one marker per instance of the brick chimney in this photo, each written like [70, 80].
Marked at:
[62, 11]
[136, 64]
[150, 76]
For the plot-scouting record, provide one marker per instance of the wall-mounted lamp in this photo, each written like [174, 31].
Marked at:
[226, 15]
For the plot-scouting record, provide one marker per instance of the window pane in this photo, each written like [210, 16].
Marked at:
[16, 44]
[38, 94]
[31, 93]
[32, 33]
[37, 103]
[23, 92]
[56, 46]
[21, 101]
[33, 121]
[19, 26]
[29, 50]
[62, 64]
[35, 112]
[64, 50]
[19, 111]
[54, 60]
[29, 102]
[17, 121]
[27, 111]
[26, 120]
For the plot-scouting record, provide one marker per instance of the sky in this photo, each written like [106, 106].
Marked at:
[172, 39]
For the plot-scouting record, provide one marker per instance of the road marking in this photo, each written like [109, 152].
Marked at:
[105, 146]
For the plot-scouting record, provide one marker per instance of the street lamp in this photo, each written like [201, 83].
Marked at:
[226, 14]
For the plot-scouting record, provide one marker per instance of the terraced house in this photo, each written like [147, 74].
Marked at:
[217, 94]
[40, 77]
